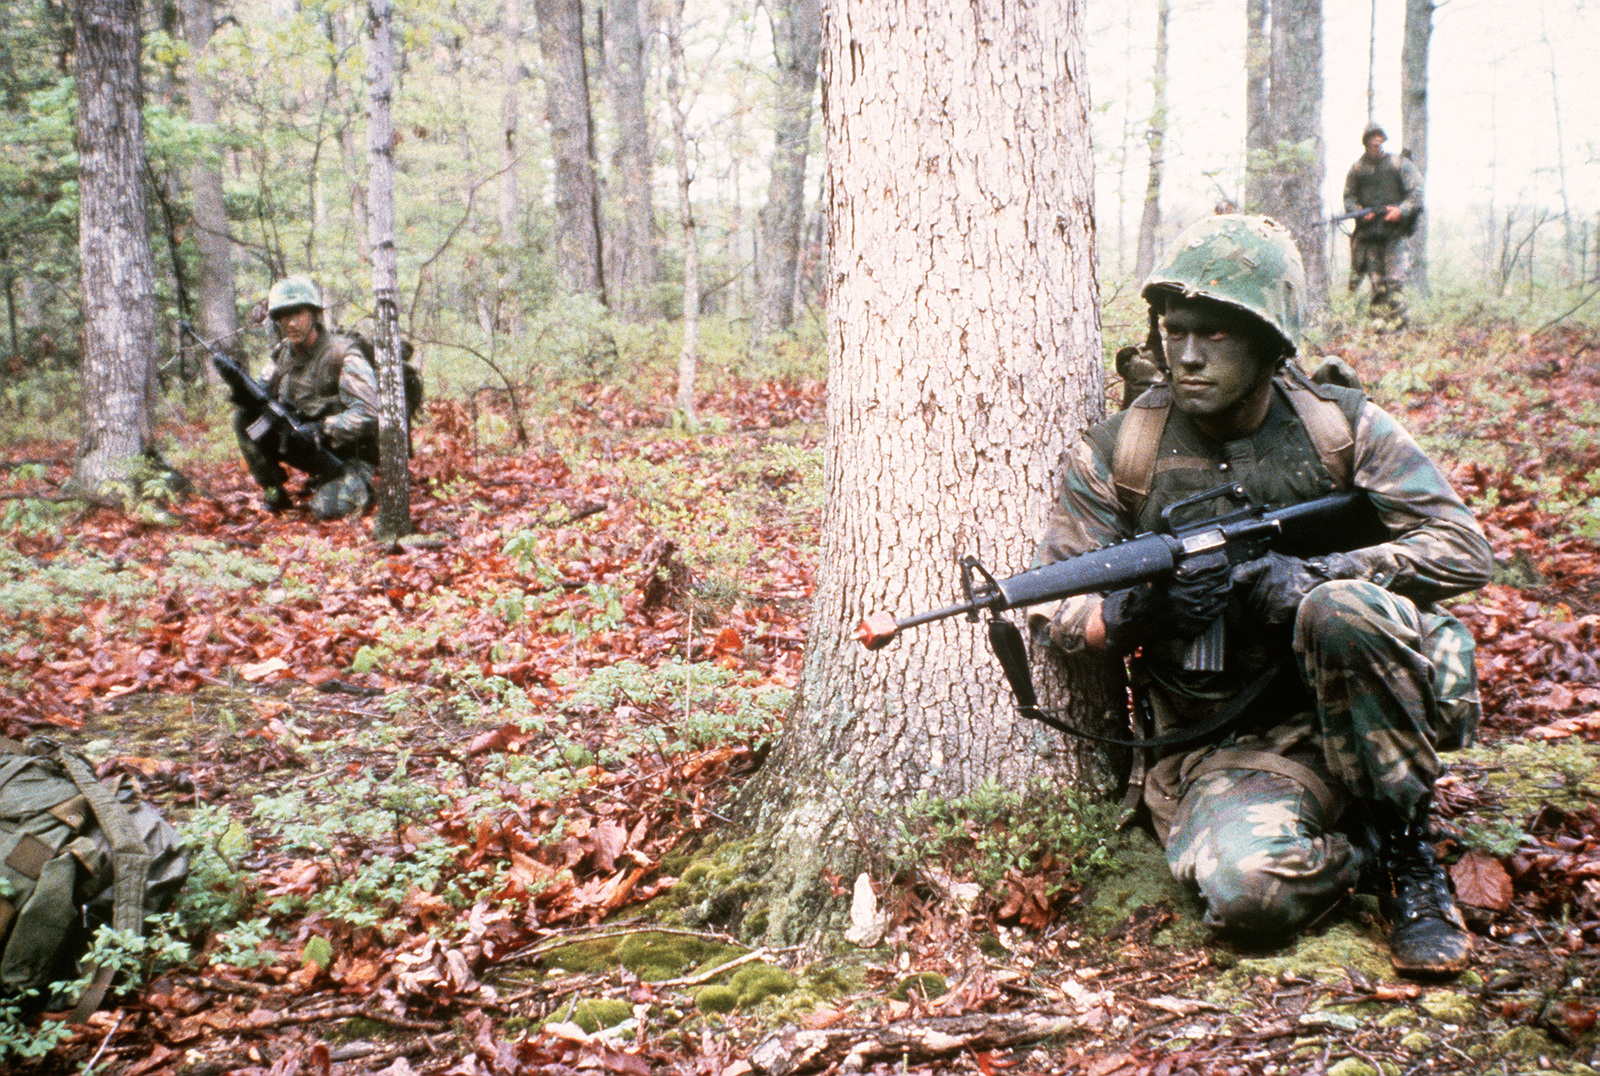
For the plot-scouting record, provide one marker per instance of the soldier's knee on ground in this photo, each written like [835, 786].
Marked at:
[1345, 614]
[347, 495]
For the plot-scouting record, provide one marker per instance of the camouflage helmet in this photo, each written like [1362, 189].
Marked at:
[1373, 129]
[1246, 262]
[291, 292]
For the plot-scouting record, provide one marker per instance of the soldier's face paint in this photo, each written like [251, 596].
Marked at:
[299, 327]
[1220, 375]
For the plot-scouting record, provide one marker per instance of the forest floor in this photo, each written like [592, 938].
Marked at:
[444, 797]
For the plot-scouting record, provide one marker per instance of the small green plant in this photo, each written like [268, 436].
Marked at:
[996, 830]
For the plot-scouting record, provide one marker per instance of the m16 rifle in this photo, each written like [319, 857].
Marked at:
[280, 434]
[1335, 523]
[1355, 214]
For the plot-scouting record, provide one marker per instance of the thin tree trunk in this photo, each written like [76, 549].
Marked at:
[635, 266]
[797, 43]
[113, 248]
[1259, 133]
[963, 354]
[1150, 221]
[394, 443]
[689, 353]
[1414, 119]
[508, 316]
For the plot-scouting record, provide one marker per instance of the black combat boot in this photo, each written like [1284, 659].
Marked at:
[1426, 933]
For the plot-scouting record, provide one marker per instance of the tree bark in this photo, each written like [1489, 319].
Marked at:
[1285, 171]
[1414, 119]
[216, 301]
[689, 352]
[508, 313]
[577, 187]
[1150, 220]
[1258, 132]
[632, 247]
[394, 442]
[113, 249]
[964, 357]
[797, 43]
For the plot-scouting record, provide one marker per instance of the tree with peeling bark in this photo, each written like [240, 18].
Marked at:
[964, 357]
[114, 251]
[689, 350]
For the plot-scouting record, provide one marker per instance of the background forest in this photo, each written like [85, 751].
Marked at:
[569, 172]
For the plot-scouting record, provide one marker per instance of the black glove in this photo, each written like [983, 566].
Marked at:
[1181, 608]
[1274, 585]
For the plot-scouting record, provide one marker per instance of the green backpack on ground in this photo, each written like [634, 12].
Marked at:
[75, 854]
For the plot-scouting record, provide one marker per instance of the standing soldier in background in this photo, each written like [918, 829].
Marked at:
[1389, 190]
[326, 382]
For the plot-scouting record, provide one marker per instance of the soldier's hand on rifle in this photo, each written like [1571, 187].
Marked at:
[1183, 607]
[1391, 214]
[1274, 585]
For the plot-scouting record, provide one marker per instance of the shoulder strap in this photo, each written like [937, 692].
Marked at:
[130, 868]
[1133, 460]
[1327, 426]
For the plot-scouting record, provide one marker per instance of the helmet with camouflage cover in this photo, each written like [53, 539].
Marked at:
[1246, 262]
[292, 292]
[1370, 130]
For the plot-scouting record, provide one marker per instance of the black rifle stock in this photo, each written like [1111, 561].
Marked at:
[1354, 214]
[280, 434]
[1338, 522]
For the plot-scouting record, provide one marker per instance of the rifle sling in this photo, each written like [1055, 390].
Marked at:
[1006, 641]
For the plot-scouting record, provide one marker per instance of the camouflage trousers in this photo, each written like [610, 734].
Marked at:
[1258, 824]
[347, 494]
[1387, 261]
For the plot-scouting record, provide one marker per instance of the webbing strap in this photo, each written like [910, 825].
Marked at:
[1006, 641]
[1241, 758]
[1328, 428]
[130, 861]
[1133, 460]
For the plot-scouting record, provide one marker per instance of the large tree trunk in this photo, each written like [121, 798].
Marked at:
[1285, 168]
[216, 302]
[113, 248]
[577, 188]
[797, 43]
[1150, 220]
[1414, 118]
[964, 357]
[394, 443]
[632, 249]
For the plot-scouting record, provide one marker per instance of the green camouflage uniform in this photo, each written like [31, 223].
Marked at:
[336, 387]
[1384, 680]
[1378, 249]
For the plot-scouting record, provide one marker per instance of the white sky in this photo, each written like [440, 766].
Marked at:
[1492, 102]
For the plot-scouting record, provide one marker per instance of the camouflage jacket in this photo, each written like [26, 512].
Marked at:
[333, 384]
[1389, 180]
[1437, 549]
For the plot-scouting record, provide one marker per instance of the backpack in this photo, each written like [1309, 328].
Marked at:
[410, 373]
[75, 854]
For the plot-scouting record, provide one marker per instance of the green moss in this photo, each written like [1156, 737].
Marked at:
[1140, 878]
[1525, 1041]
[924, 984]
[1353, 1066]
[1322, 956]
[756, 983]
[1527, 774]
[1418, 1043]
[716, 998]
[594, 1014]
[1450, 1006]
[654, 956]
